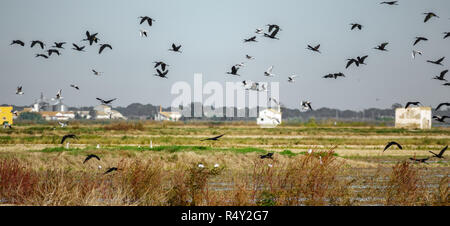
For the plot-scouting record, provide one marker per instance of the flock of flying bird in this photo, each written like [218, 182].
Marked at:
[272, 32]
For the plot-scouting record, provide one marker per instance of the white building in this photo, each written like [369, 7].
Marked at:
[413, 118]
[167, 116]
[105, 112]
[269, 118]
[58, 116]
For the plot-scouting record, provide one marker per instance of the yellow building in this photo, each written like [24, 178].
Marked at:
[6, 115]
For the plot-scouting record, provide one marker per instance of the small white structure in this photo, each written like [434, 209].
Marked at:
[105, 112]
[167, 116]
[269, 118]
[57, 116]
[413, 118]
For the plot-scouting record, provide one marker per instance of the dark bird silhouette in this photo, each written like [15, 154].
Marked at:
[392, 143]
[59, 45]
[105, 102]
[429, 16]
[441, 76]
[362, 59]
[267, 156]
[315, 49]
[41, 44]
[273, 26]
[390, 3]
[51, 51]
[72, 136]
[18, 42]
[335, 75]
[420, 160]
[273, 34]
[442, 104]
[42, 55]
[351, 61]
[175, 48]
[252, 39]
[91, 38]
[355, 25]
[213, 138]
[447, 34]
[446, 84]
[161, 74]
[103, 46]
[440, 118]
[75, 86]
[382, 47]
[111, 170]
[234, 71]
[78, 48]
[438, 62]
[148, 19]
[441, 153]
[162, 64]
[418, 39]
[412, 103]
[91, 156]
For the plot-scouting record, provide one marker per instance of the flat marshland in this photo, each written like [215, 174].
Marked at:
[158, 164]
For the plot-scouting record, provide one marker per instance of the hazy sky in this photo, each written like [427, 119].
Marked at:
[212, 34]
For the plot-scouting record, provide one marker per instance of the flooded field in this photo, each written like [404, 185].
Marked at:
[168, 164]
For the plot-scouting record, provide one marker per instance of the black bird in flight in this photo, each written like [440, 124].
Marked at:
[75, 86]
[412, 103]
[447, 34]
[162, 64]
[161, 74]
[103, 46]
[110, 170]
[446, 84]
[438, 62]
[351, 61]
[91, 156]
[213, 138]
[355, 25]
[91, 38]
[175, 48]
[72, 136]
[382, 47]
[442, 104]
[273, 26]
[105, 102]
[252, 39]
[78, 48]
[146, 18]
[234, 71]
[59, 45]
[418, 39]
[441, 76]
[268, 156]
[33, 43]
[315, 49]
[441, 153]
[18, 42]
[273, 34]
[361, 59]
[390, 3]
[420, 160]
[335, 75]
[50, 51]
[392, 143]
[42, 55]
[440, 118]
[19, 90]
[429, 16]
